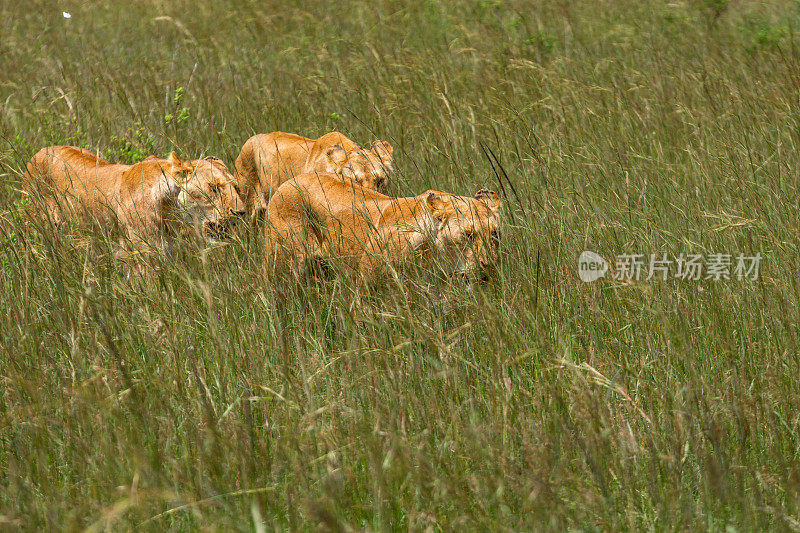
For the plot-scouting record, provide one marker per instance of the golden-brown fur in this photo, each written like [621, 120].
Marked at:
[268, 160]
[316, 216]
[143, 199]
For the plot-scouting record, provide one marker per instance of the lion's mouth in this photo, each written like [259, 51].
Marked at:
[473, 276]
[221, 229]
[477, 274]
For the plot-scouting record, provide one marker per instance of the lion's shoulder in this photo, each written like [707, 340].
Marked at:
[145, 172]
[336, 138]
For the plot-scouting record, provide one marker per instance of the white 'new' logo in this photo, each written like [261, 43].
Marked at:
[591, 266]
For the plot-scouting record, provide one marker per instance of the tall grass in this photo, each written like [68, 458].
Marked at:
[189, 391]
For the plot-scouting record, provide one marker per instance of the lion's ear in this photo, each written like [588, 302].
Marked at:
[439, 206]
[384, 150]
[490, 198]
[337, 154]
[174, 160]
[180, 168]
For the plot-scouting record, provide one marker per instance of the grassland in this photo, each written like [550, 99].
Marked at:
[203, 395]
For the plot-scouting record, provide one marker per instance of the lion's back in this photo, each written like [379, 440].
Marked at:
[328, 195]
[72, 172]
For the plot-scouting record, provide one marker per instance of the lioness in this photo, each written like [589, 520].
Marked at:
[317, 216]
[144, 199]
[268, 160]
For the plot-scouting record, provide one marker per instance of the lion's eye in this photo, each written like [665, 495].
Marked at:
[469, 235]
[495, 235]
[214, 188]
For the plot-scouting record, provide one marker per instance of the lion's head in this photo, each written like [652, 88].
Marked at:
[468, 231]
[207, 192]
[367, 167]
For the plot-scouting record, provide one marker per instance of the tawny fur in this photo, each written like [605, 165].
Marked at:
[315, 216]
[268, 160]
[144, 200]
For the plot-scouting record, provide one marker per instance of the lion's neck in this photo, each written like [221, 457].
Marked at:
[407, 224]
[425, 221]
